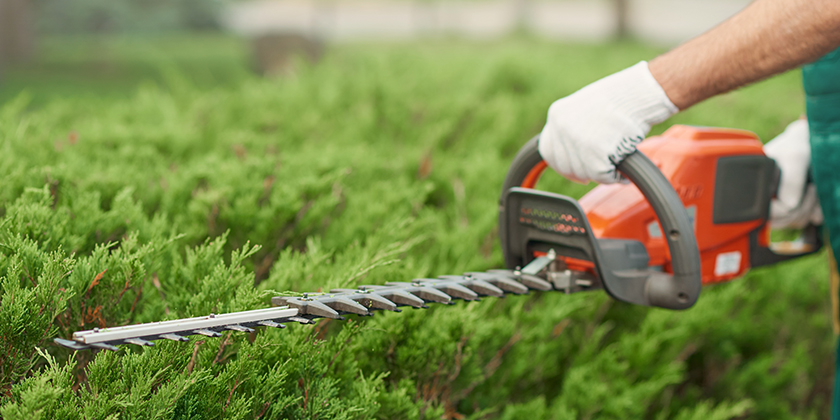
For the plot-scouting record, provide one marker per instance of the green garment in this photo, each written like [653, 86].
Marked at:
[822, 90]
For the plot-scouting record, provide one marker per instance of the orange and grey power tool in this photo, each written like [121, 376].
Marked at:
[695, 213]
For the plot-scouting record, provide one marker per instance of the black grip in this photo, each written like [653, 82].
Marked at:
[677, 291]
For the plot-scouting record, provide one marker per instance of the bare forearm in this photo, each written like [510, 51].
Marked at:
[766, 38]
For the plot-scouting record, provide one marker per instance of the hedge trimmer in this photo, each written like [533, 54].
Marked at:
[695, 213]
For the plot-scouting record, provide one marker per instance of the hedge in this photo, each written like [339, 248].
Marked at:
[381, 163]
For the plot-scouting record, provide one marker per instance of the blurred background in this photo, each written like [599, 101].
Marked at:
[353, 138]
[101, 47]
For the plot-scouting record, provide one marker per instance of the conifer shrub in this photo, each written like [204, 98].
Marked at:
[382, 163]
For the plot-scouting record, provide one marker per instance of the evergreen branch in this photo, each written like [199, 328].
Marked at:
[368, 269]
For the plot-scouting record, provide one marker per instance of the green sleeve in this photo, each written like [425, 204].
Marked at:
[821, 81]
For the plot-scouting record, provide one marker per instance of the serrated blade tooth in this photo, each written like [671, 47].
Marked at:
[505, 283]
[428, 294]
[240, 328]
[476, 285]
[396, 295]
[373, 301]
[71, 344]
[450, 288]
[271, 324]
[380, 302]
[104, 346]
[138, 342]
[301, 320]
[344, 304]
[532, 282]
[484, 288]
[207, 333]
[402, 297]
[174, 337]
[312, 307]
[535, 282]
[431, 294]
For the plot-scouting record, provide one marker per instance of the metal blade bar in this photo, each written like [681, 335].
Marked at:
[184, 326]
[304, 309]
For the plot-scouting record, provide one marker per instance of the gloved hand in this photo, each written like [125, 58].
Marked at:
[796, 203]
[593, 129]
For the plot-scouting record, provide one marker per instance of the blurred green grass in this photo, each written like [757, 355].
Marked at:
[102, 68]
[96, 67]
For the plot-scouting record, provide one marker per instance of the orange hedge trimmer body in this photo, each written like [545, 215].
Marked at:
[725, 183]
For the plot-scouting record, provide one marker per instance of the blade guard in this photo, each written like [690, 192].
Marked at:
[648, 287]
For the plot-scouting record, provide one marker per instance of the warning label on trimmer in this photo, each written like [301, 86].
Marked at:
[727, 263]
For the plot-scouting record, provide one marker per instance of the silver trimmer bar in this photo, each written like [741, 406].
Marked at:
[309, 306]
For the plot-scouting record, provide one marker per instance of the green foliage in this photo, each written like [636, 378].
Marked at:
[381, 163]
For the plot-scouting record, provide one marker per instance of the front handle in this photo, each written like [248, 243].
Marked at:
[677, 291]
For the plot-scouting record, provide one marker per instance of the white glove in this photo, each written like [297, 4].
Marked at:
[796, 203]
[593, 129]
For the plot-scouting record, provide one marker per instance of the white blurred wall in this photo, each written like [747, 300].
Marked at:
[659, 21]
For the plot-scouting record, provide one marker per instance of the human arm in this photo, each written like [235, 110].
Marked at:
[766, 38]
[590, 131]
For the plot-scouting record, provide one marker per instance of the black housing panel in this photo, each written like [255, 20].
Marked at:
[744, 186]
[539, 221]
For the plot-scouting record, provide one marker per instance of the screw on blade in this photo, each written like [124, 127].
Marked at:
[376, 301]
[451, 288]
[477, 285]
[174, 337]
[240, 328]
[532, 282]
[208, 333]
[139, 342]
[271, 324]
[502, 282]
